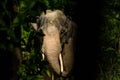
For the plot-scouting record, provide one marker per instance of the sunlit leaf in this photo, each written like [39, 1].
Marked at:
[48, 73]
[22, 6]
[16, 20]
[39, 77]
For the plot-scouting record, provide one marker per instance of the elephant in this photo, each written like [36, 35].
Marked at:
[59, 40]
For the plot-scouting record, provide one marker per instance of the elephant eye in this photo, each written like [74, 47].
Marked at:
[62, 31]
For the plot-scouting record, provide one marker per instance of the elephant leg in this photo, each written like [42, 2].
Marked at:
[61, 63]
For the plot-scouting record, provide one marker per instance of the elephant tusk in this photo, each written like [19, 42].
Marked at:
[61, 62]
[43, 57]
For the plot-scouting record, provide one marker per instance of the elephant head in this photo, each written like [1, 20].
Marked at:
[58, 40]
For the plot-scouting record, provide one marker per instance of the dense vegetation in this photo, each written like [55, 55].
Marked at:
[16, 32]
[109, 57]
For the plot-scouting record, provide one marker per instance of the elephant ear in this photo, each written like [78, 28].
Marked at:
[38, 31]
[68, 30]
[35, 26]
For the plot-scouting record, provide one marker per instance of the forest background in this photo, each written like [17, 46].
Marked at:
[98, 38]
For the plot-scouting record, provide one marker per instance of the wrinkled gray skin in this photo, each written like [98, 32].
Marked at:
[56, 28]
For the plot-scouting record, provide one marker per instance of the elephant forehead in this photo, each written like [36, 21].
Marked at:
[51, 15]
[51, 30]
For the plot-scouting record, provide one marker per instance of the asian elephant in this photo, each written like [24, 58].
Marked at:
[59, 37]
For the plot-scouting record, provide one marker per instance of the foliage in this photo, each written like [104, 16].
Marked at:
[16, 16]
[108, 63]
[15, 28]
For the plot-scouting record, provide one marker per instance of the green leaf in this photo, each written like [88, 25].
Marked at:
[48, 73]
[32, 4]
[23, 6]
[39, 77]
[16, 20]
[110, 49]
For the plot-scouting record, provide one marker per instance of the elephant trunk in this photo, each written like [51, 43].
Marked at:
[52, 48]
